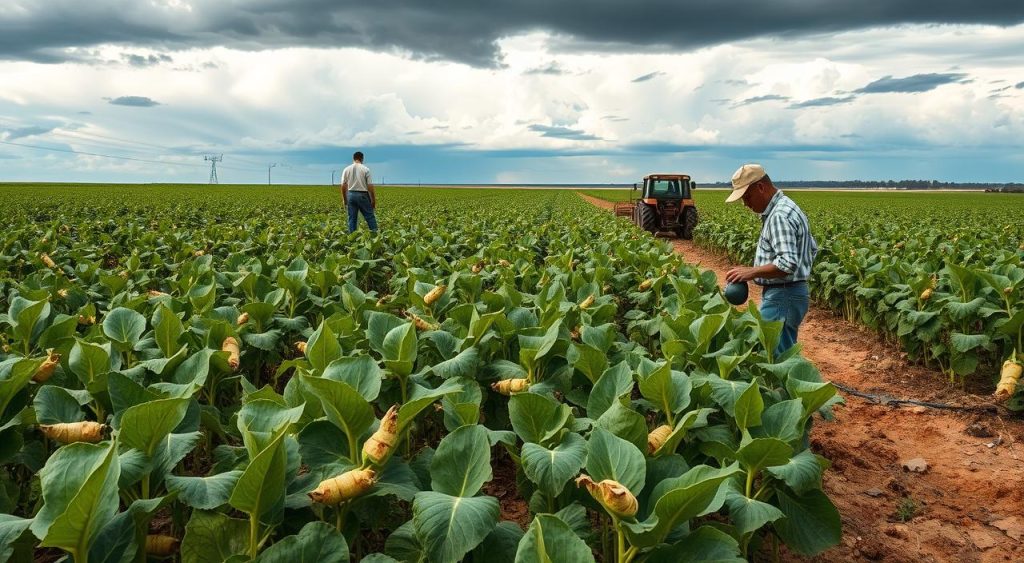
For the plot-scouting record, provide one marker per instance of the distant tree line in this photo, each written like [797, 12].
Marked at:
[892, 184]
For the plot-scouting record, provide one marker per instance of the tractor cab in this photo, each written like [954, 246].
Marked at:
[663, 186]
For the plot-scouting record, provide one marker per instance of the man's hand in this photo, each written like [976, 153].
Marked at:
[741, 274]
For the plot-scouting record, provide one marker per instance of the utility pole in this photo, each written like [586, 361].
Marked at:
[213, 159]
[268, 172]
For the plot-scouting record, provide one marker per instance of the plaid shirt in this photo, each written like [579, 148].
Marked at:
[786, 241]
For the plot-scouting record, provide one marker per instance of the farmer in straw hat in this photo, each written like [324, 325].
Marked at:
[785, 251]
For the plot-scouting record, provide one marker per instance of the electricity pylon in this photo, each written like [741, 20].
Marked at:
[213, 166]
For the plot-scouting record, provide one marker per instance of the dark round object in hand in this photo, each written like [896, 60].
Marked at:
[736, 293]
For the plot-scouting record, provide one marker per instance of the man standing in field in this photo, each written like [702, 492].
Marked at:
[785, 251]
[357, 194]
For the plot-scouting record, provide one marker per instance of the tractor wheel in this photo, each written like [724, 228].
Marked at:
[689, 223]
[648, 219]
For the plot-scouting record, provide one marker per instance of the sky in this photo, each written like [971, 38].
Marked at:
[523, 92]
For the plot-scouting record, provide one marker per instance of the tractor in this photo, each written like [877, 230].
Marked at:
[665, 204]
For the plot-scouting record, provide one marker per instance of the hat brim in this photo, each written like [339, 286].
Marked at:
[736, 195]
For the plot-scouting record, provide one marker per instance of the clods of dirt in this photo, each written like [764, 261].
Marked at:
[916, 465]
[979, 430]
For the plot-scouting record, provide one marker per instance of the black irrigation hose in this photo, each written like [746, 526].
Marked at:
[893, 402]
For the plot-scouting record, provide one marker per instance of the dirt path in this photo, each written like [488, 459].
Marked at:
[968, 505]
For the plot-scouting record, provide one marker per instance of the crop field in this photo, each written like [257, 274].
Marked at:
[939, 274]
[224, 374]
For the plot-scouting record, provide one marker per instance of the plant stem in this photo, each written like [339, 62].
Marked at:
[254, 528]
[620, 548]
[750, 482]
[145, 487]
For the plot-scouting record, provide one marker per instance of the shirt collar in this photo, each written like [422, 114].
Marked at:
[771, 205]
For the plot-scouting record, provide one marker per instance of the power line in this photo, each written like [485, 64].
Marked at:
[76, 135]
[72, 151]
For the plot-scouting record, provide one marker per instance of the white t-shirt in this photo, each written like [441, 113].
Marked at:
[357, 177]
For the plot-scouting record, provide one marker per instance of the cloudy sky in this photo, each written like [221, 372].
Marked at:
[530, 91]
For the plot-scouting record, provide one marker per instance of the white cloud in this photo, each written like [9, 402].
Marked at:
[280, 101]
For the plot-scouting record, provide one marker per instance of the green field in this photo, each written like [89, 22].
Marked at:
[939, 273]
[225, 372]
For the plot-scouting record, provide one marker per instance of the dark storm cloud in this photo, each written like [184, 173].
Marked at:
[759, 99]
[457, 30]
[648, 76]
[143, 60]
[911, 84]
[820, 102]
[557, 132]
[551, 69]
[134, 101]
[22, 132]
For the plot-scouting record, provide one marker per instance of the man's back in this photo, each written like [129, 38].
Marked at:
[357, 177]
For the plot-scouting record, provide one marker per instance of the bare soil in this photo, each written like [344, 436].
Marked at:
[966, 506]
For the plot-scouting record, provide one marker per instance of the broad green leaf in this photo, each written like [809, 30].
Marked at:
[500, 545]
[749, 407]
[759, 453]
[343, 405]
[88, 361]
[378, 327]
[403, 545]
[261, 487]
[550, 540]
[54, 405]
[316, 542]
[552, 468]
[615, 382]
[420, 397]
[680, 500]
[688, 421]
[783, 420]
[322, 348]
[125, 327]
[462, 365]
[705, 545]
[802, 472]
[727, 393]
[167, 329]
[322, 443]
[449, 527]
[124, 537]
[748, 514]
[588, 360]
[204, 493]
[399, 349]
[213, 537]
[28, 317]
[611, 457]
[361, 372]
[625, 423]
[12, 530]
[811, 524]
[462, 463]
[143, 426]
[19, 373]
[535, 418]
[668, 390]
[79, 485]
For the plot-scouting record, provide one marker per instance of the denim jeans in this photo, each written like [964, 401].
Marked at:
[788, 304]
[359, 202]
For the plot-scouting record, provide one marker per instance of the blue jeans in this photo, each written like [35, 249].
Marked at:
[359, 202]
[788, 304]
